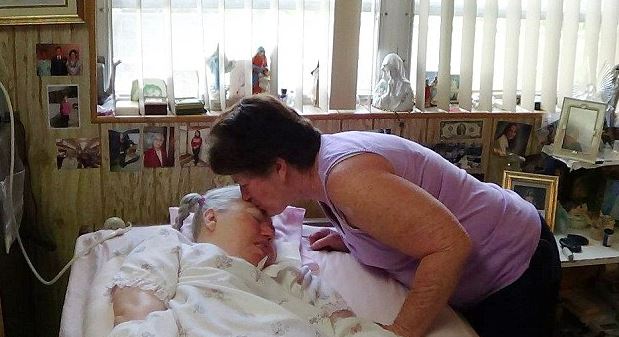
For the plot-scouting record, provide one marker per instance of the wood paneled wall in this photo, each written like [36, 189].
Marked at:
[68, 201]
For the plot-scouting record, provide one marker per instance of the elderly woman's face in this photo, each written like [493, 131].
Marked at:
[244, 231]
[158, 141]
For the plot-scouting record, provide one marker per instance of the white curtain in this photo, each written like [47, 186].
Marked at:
[204, 47]
[514, 54]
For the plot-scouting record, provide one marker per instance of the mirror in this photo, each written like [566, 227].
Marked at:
[580, 129]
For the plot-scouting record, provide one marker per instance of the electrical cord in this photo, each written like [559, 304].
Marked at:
[85, 251]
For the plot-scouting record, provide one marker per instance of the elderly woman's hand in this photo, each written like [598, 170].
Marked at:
[327, 239]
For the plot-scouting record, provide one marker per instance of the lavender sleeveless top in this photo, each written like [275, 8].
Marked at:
[503, 227]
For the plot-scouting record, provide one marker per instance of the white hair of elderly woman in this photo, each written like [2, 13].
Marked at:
[216, 199]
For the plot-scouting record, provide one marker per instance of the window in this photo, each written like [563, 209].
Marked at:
[493, 55]
[509, 52]
[204, 48]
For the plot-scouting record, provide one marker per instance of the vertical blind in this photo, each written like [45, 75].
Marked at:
[177, 41]
[513, 53]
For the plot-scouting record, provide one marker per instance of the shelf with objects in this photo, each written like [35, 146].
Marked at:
[585, 156]
[582, 149]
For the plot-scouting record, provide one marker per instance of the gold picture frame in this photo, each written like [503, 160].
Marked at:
[41, 12]
[539, 189]
[579, 130]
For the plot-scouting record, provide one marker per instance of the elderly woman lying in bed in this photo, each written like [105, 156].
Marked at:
[218, 286]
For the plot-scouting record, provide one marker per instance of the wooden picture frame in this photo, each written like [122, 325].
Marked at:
[579, 130]
[539, 189]
[40, 12]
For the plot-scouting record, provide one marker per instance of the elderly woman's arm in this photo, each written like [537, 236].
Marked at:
[404, 216]
[133, 304]
[147, 278]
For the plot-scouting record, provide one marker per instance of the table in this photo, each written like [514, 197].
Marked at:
[592, 254]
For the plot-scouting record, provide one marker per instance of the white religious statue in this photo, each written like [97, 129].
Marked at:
[393, 92]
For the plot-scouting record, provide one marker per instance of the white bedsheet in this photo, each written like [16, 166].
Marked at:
[207, 294]
[87, 310]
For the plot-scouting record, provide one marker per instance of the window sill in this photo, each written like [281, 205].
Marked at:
[313, 113]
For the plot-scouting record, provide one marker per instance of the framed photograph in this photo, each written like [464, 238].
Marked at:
[192, 145]
[33, 12]
[78, 153]
[58, 59]
[63, 108]
[511, 137]
[158, 146]
[432, 86]
[579, 130]
[461, 130]
[125, 152]
[538, 189]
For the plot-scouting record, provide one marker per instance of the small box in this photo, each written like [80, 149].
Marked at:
[156, 107]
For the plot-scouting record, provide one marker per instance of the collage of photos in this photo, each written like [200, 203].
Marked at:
[125, 153]
[460, 142]
[63, 107]
[132, 149]
[191, 149]
[158, 146]
[78, 153]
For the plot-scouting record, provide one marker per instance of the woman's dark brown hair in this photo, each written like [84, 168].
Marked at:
[250, 136]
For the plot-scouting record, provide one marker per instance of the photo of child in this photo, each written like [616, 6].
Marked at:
[63, 106]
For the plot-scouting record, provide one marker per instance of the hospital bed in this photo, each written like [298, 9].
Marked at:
[88, 312]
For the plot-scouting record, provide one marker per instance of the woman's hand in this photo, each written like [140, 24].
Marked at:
[397, 329]
[327, 239]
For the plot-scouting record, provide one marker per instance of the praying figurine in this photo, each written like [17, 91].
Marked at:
[393, 92]
[260, 72]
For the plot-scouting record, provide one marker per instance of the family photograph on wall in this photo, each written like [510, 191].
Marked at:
[509, 146]
[159, 144]
[58, 59]
[192, 140]
[78, 153]
[125, 152]
[63, 106]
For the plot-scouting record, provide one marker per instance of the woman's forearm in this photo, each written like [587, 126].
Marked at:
[435, 280]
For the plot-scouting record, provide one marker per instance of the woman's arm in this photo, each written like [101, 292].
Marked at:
[132, 304]
[402, 215]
